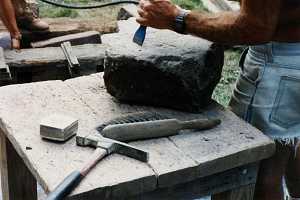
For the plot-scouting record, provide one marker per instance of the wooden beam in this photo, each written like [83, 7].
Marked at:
[88, 37]
[63, 26]
[241, 193]
[4, 69]
[50, 63]
[235, 182]
[16, 180]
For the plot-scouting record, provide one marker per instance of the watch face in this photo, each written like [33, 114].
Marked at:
[179, 23]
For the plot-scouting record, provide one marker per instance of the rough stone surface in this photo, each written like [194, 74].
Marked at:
[170, 70]
[127, 11]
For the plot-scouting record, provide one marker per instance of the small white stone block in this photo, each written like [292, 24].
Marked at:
[58, 127]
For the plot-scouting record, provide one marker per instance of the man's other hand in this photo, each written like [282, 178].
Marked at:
[15, 44]
[16, 41]
[159, 14]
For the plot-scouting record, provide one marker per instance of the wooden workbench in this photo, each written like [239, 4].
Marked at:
[181, 167]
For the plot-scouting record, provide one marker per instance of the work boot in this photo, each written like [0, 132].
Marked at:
[30, 20]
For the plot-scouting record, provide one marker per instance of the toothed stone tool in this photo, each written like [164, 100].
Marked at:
[140, 35]
[155, 129]
[134, 117]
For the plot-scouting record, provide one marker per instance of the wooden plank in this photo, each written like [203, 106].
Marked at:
[73, 64]
[86, 54]
[73, 61]
[50, 162]
[241, 193]
[215, 150]
[170, 164]
[178, 159]
[227, 146]
[65, 25]
[16, 180]
[233, 143]
[4, 69]
[50, 63]
[230, 180]
[88, 37]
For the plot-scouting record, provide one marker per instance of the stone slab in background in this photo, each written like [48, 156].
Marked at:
[87, 37]
[50, 63]
[221, 5]
[169, 70]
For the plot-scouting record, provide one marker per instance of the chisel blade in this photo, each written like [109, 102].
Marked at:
[140, 35]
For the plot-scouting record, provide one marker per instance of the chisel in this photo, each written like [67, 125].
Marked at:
[140, 35]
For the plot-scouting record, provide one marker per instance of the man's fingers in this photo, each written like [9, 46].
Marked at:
[141, 21]
[142, 4]
[15, 43]
[146, 6]
[141, 12]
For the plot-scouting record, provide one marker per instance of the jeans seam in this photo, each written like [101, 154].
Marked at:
[248, 116]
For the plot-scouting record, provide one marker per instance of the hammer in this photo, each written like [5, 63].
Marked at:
[104, 146]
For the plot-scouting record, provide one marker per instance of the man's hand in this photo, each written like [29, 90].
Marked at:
[16, 41]
[159, 14]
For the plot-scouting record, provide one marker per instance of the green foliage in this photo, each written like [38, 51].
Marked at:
[230, 74]
[47, 10]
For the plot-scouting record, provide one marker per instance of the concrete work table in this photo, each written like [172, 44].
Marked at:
[222, 161]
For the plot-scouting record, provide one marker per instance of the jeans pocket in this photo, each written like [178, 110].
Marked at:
[286, 109]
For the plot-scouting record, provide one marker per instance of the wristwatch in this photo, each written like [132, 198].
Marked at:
[180, 21]
[17, 36]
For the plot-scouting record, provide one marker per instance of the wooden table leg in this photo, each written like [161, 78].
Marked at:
[16, 180]
[241, 193]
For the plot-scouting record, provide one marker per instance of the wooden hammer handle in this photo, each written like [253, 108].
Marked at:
[74, 178]
[66, 186]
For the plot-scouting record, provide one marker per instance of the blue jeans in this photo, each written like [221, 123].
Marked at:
[267, 93]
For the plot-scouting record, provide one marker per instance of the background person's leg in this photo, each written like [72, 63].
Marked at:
[27, 16]
[271, 171]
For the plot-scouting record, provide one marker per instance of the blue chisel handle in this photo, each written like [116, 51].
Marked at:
[140, 35]
[65, 187]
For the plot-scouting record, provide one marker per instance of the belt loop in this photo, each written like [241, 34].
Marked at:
[242, 58]
[269, 56]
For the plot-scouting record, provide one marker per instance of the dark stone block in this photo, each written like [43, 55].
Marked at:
[170, 70]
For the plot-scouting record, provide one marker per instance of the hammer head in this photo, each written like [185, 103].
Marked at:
[112, 146]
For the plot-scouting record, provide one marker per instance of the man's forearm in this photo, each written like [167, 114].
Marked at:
[8, 17]
[255, 23]
[226, 27]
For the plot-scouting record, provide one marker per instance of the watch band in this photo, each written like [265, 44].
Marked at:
[16, 36]
[180, 21]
